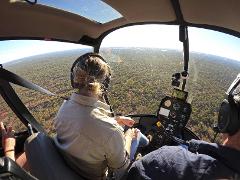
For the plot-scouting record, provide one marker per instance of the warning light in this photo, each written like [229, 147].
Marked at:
[159, 124]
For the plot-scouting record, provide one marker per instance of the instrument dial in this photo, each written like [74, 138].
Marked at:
[176, 106]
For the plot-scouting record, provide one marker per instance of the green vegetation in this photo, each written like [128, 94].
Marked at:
[141, 78]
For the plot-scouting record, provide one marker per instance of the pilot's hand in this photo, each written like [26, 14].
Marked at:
[122, 120]
[131, 133]
[8, 139]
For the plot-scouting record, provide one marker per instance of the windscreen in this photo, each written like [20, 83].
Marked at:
[144, 58]
[46, 64]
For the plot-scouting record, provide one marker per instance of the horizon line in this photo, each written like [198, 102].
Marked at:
[84, 48]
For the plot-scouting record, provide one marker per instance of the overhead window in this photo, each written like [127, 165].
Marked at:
[95, 10]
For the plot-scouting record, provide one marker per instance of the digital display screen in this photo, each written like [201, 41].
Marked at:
[164, 112]
[179, 94]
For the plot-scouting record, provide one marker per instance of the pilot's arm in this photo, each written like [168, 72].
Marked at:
[8, 141]
[117, 157]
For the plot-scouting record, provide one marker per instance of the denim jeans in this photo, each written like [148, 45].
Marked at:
[140, 141]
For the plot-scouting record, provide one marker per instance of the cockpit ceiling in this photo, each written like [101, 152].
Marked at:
[22, 20]
[220, 13]
[144, 11]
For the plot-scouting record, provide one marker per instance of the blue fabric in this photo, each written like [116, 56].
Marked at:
[141, 141]
[176, 162]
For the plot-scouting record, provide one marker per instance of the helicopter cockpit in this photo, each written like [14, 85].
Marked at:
[170, 65]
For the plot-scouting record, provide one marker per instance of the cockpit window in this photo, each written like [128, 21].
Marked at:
[95, 10]
[214, 64]
[144, 58]
[8, 117]
[46, 64]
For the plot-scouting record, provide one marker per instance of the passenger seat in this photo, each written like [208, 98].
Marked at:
[44, 160]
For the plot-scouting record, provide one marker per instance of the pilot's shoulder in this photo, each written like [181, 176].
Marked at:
[171, 162]
[177, 155]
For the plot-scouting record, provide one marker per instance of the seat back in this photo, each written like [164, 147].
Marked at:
[44, 160]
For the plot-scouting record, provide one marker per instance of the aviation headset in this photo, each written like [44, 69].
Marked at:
[81, 61]
[229, 113]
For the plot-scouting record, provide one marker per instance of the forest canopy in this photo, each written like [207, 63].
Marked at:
[141, 78]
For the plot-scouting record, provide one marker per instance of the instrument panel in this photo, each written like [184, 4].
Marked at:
[171, 119]
[174, 113]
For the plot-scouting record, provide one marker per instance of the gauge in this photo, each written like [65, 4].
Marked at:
[185, 109]
[183, 117]
[173, 114]
[176, 106]
[168, 103]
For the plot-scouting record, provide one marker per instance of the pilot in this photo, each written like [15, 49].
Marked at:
[201, 160]
[89, 137]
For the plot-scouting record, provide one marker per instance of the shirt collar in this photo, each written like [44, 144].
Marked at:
[89, 101]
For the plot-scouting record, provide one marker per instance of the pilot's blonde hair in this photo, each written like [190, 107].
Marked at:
[90, 74]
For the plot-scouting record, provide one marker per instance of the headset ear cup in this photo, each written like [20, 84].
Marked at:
[224, 117]
[234, 124]
[228, 118]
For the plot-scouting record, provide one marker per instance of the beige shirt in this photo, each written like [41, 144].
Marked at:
[89, 138]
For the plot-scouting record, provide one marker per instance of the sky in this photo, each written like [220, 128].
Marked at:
[17, 49]
[92, 9]
[163, 36]
[157, 36]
